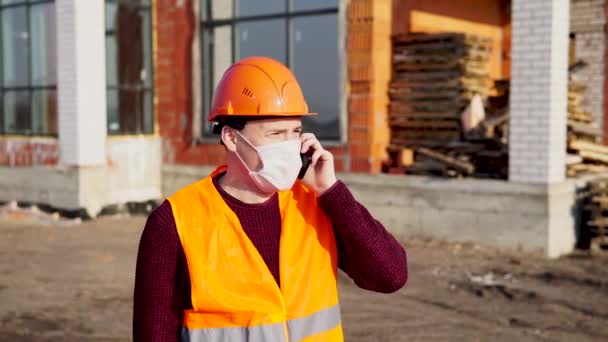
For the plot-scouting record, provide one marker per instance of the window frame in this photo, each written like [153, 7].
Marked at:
[207, 24]
[147, 5]
[29, 88]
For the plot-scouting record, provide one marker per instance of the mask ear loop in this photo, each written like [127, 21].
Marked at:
[250, 145]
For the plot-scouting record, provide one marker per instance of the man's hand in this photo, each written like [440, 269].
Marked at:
[321, 174]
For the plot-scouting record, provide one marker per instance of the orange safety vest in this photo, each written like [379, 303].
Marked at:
[234, 295]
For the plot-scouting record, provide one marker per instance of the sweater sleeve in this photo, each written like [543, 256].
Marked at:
[158, 303]
[367, 252]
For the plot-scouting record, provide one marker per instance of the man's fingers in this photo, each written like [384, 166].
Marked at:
[315, 157]
[309, 142]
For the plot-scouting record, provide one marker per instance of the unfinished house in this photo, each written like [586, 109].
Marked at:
[476, 120]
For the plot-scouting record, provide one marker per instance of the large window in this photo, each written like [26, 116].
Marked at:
[28, 67]
[300, 33]
[129, 66]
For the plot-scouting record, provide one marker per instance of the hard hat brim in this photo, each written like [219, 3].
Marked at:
[258, 116]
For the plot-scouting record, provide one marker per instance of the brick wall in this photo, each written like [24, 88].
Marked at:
[26, 152]
[587, 22]
[538, 91]
[369, 63]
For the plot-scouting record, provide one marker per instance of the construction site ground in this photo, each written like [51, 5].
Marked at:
[66, 280]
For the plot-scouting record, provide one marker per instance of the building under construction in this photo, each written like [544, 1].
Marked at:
[103, 103]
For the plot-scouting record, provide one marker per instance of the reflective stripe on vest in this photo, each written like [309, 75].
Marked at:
[299, 329]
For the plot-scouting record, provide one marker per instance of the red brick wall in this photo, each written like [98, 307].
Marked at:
[369, 60]
[20, 152]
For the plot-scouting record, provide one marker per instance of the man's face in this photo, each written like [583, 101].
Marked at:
[262, 132]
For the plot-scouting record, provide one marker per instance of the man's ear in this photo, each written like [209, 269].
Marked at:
[229, 138]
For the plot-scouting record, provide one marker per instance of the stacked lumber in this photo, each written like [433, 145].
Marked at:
[596, 214]
[586, 153]
[434, 78]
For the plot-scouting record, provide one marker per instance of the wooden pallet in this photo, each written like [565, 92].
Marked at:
[432, 124]
[420, 37]
[395, 115]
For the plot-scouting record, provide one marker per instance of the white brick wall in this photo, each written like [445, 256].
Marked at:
[538, 91]
[81, 81]
[588, 20]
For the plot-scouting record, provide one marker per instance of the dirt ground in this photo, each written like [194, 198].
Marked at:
[72, 281]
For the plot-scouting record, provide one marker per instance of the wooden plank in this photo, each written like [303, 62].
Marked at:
[572, 159]
[434, 106]
[421, 96]
[442, 75]
[449, 66]
[423, 142]
[425, 123]
[594, 156]
[406, 157]
[466, 167]
[422, 115]
[588, 146]
[577, 127]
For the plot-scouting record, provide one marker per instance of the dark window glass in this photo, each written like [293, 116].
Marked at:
[29, 68]
[315, 64]
[303, 5]
[262, 38]
[246, 8]
[129, 67]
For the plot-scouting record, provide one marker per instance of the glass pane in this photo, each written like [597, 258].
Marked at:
[111, 60]
[220, 9]
[148, 112]
[222, 52]
[247, 8]
[44, 112]
[262, 38]
[9, 2]
[131, 111]
[207, 74]
[113, 124]
[43, 44]
[315, 64]
[129, 45]
[110, 15]
[17, 114]
[203, 15]
[146, 73]
[302, 5]
[14, 47]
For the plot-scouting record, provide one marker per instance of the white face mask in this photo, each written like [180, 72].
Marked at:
[281, 164]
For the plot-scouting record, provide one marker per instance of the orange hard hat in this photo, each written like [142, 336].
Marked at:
[258, 86]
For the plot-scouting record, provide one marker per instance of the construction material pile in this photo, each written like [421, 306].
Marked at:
[586, 153]
[595, 225]
[435, 78]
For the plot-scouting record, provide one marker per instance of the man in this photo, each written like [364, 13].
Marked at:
[250, 253]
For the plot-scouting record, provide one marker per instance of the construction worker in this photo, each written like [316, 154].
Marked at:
[250, 253]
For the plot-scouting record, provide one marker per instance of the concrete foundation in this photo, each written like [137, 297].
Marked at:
[132, 174]
[541, 218]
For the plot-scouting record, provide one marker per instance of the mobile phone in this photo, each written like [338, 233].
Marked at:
[306, 160]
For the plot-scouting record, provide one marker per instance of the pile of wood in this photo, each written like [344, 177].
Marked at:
[595, 231]
[435, 76]
[586, 153]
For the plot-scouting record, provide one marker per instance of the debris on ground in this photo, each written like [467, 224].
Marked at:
[32, 213]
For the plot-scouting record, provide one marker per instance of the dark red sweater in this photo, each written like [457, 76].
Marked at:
[371, 256]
